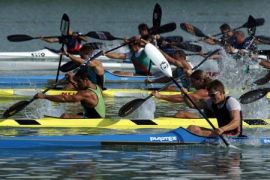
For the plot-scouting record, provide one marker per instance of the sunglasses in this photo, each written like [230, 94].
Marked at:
[212, 94]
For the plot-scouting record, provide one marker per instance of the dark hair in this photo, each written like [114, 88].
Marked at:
[201, 75]
[82, 73]
[86, 49]
[216, 85]
[143, 26]
[224, 27]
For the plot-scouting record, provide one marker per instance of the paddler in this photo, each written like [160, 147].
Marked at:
[226, 109]
[73, 41]
[199, 81]
[88, 94]
[183, 69]
[137, 56]
[95, 68]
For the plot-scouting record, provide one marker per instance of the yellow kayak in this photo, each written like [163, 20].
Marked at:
[121, 124]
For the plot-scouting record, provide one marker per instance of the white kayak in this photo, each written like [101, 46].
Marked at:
[39, 54]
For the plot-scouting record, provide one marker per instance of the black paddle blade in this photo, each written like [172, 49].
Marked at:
[173, 39]
[69, 66]
[102, 35]
[64, 27]
[15, 108]
[19, 38]
[264, 52]
[166, 28]
[189, 47]
[263, 39]
[157, 13]
[130, 107]
[253, 95]
[192, 30]
[258, 22]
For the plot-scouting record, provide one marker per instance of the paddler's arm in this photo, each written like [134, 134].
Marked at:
[171, 98]
[66, 97]
[197, 97]
[50, 40]
[113, 55]
[235, 122]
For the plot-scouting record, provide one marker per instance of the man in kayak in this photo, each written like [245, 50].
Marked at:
[226, 109]
[138, 57]
[89, 95]
[73, 41]
[95, 68]
[183, 69]
[199, 81]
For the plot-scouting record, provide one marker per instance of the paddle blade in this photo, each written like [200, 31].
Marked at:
[189, 47]
[158, 59]
[173, 39]
[263, 39]
[102, 35]
[264, 52]
[69, 66]
[130, 107]
[157, 13]
[164, 29]
[64, 27]
[253, 95]
[15, 108]
[258, 22]
[19, 38]
[192, 30]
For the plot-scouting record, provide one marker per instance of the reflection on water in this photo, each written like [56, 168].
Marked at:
[135, 162]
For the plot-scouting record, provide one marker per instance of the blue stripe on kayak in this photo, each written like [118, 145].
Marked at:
[177, 136]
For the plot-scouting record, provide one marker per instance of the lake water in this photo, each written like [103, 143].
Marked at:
[42, 17]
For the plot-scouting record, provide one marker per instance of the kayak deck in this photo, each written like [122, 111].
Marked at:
[122, 124]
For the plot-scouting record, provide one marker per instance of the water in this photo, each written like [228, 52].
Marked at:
[121, 18]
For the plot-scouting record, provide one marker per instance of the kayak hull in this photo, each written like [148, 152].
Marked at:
[175, 137]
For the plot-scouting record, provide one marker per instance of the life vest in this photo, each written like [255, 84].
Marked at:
[99, 110]
[224, 118]
[141, 63]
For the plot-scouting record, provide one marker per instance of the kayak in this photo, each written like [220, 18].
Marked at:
[177, 136]
[109, 123]
[39, 54]
[107, 93]
[42, 80]
[9, 65]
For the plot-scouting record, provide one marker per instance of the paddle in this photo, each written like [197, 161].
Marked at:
[64, 29]
[259, 22]
[131, 106]
[157, 14]
[163, 29]
[24, 37]
[155, 55]
[263, 39]
[189, 47]
[17, 107]
[193, 30]
[253, 95]
[102, 35]
[72, 65]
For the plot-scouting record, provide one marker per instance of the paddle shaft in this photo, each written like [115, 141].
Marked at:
[194, 104]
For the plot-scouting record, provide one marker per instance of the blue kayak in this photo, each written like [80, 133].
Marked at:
[41, 80]
[174, 137]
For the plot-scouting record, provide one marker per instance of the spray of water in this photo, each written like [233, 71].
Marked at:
[41, 108]
[238, 75]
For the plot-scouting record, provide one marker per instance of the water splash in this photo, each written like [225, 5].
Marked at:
[238, 75]
[41, 108]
